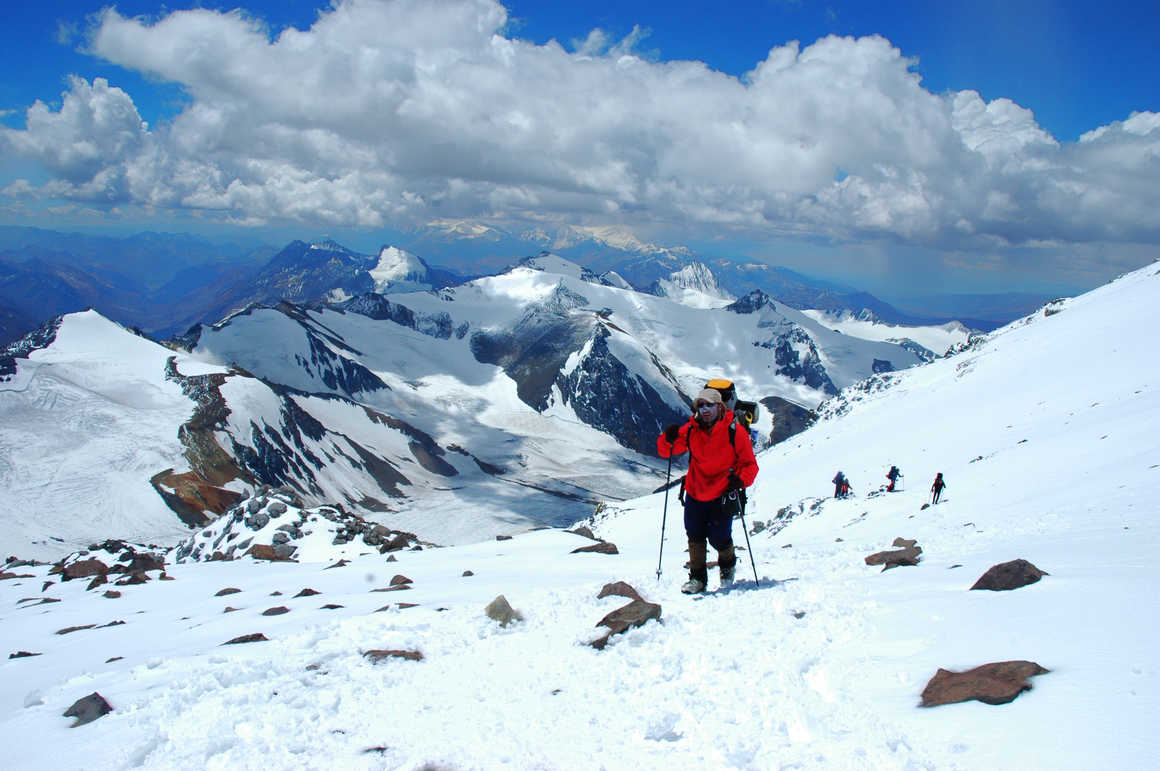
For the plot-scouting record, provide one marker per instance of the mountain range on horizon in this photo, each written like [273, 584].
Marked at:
[398, 400]
[165, 283]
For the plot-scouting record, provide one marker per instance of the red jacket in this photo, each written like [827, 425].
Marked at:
[712, 457]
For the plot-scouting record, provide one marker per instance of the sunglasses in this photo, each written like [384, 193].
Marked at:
[705, 405]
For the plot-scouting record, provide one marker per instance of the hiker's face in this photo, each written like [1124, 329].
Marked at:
[707, 412]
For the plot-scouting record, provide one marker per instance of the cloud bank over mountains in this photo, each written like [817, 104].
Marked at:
[397, 112]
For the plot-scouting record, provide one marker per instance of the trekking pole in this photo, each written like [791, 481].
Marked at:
[665, 511]
[745, 529]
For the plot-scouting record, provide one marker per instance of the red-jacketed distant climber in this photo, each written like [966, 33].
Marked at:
[937, 488]
[717, 464]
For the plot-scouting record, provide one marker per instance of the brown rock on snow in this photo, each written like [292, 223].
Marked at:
[22, 655]
[602, 547]
[307, 592]
[276, 611]
[378, 655]
[10, 576]
[227, 590]
[996, 683]
[635, 613]
[400, 579]
[907, 555]
[85, 569]
[1009, 575]
[247, 638]
[618, 589]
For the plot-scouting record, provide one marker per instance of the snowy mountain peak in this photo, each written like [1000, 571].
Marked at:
[395, 267]
[693, 285]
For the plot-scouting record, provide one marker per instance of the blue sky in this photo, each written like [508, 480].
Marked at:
[950, 153]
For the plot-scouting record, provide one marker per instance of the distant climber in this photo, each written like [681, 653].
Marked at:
[720, 459]
[893, 474]
[841, 486]
[937, 487]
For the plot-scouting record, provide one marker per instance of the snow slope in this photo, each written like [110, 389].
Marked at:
[937, 339]
[84, 424]
[1046, 435]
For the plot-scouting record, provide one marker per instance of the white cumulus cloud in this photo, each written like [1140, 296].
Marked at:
[401, 111]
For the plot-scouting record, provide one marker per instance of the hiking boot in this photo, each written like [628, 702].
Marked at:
[727, 575]
[693, 586]
[727, 561]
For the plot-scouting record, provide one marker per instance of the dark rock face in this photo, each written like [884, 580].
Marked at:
[377, 307]
[997, 683]
[1009, 575]
[42, 337]
[788, 418]
[606, 395]
[88, 709]
[801, 366]
[85, 569]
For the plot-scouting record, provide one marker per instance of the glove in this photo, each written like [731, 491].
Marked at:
[735, 482]
[672, 432]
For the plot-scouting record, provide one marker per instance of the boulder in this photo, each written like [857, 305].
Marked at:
[636, 613]
[85, 569]
[500, 610]
[907, 555]
[307, 592]
[602, 547]
[996, 683]
[618, 589]
[276, 611]
[399, 580]
[227, 591]
[1009, 575]
[88, 709]
[270, 553]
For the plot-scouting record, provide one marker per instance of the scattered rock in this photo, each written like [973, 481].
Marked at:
[907, 555]
[997, 683]
[275, 593]
[341, 563]
[395, 588]
[307, 592]
[618, 589]
[247, 638]
[405, 605]
[84, 569]
[400, 579]
[1009, 575]
[276, 611]
[111, 594]
[331, 606]
[88, 709]
[97, 581]
[378, 655]
[71, 629]
[467, 573]
[115, 658]
[229, 609]
[799, 614]
[602, 547]
[261, 551]
[584, 531]
[636, 613]
[500, 610]
[503, 538]
[227, 590]
[21, 655]
[9, 576]
[133, 579]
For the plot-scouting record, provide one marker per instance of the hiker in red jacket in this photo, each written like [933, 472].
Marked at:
[937, 488]
[720, 459]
